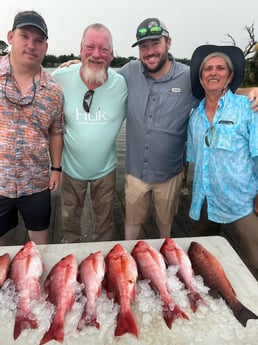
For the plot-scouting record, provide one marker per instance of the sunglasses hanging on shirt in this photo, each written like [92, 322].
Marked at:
[87, 100]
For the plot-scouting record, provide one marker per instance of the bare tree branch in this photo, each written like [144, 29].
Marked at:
[252, 41]
[249, 48]
[232, 39]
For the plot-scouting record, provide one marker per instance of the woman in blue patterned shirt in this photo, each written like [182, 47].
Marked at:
[223, 144]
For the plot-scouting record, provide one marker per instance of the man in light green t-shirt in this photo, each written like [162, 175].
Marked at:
[94, 107]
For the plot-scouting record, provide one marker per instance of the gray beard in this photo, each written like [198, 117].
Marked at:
[94, 77]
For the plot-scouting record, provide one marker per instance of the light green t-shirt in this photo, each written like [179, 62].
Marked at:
[89, 141]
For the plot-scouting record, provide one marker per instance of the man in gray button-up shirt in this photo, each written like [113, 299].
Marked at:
[159, 104]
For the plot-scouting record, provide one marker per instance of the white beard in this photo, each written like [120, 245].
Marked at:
[94, 77]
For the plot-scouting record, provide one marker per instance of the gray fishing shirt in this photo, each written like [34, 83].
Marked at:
[156, 121]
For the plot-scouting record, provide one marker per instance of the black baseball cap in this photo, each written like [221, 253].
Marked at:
[30, 18]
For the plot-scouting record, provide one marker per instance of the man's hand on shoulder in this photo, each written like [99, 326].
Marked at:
[70, 62]
[252, 93]
[253, 97]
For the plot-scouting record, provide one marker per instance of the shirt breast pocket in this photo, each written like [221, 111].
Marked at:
[226, 137]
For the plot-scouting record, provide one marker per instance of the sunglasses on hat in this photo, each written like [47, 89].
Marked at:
[152, 31]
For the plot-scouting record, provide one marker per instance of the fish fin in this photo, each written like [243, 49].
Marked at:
[109, 292]
[88, 321]
[195, 298]
[226, 280]
[56, 332]
[22, 322]
[164, 258]
[243, 314]
[133, 293]
[170, 315]
[126, 324]
[46, 338]
[4, 267]
[214, 293]
[99, 291]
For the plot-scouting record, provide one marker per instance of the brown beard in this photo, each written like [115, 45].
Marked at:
[161, 63]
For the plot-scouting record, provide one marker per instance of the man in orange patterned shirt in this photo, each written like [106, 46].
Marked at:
[31, 130]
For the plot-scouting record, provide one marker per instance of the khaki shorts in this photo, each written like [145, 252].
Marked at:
[139, 195]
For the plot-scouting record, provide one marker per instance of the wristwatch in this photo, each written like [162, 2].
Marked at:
[56, 169]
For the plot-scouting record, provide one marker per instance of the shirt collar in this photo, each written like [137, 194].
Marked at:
[7, 70]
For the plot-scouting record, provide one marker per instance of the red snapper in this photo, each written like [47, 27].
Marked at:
[151, 266]
[120, 283]
[175, 255]
[206, 265]
[91, 274]
[60, 286]
[25, 271]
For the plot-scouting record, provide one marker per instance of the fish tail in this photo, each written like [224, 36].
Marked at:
[126, 324]
[56, 332]
[22, 322]
[170, 314]
[88, 320]
[243, 314]
[195, 298]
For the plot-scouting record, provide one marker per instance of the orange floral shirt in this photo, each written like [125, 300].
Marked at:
[25, 130]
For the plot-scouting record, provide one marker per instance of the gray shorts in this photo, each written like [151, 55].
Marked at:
[35, 210]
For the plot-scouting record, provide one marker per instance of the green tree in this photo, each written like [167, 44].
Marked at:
[3, 48]
[50, 61]
[54, 61]
[120, 61]
[64, 58]
[251, 72]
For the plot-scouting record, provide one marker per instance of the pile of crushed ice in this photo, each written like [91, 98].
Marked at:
[8, 297]
[213, 323]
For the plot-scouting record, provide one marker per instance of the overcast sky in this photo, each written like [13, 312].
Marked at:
[190, 22]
